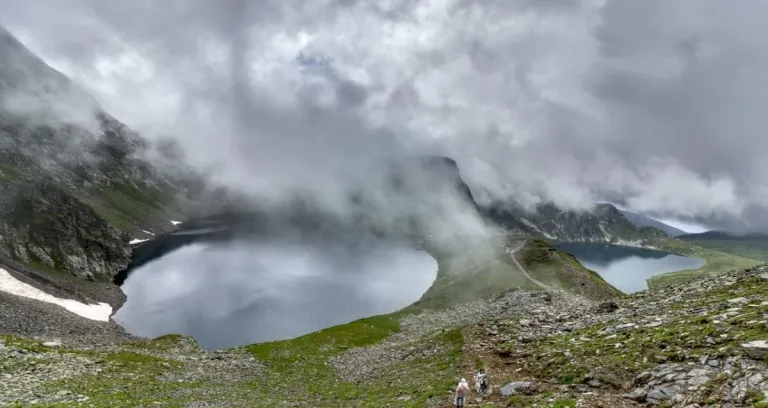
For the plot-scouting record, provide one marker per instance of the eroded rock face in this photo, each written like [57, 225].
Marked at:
[41, 224]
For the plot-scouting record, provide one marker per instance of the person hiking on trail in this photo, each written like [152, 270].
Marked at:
[461, 393]
[481, 382]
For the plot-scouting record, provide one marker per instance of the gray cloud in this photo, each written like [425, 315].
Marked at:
[653, 104]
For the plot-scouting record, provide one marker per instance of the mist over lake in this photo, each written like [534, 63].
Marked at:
[627, 268]
[248, 292]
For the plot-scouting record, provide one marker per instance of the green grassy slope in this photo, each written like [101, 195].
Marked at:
[716, 262]
[126, 205]
[561, 270]
[298, 370]
[468, 275]
[752, 248]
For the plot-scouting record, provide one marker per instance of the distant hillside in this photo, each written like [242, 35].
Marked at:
[603, 224]
[720, 234]
[641, 220]
[753, 246]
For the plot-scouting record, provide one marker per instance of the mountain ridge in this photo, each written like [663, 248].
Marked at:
[537, 318]
[641, 220]
[603, 224]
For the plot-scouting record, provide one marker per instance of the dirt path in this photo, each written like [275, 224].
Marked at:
[513, 255]
[478, 352]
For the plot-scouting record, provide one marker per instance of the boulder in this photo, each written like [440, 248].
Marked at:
[517, 388]
[757, 350]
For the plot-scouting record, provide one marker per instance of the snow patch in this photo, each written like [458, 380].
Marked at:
[9, 284]
[137, 241]
[175, 222]
[602, 228]
[636, 243]
[530, 224]
[543, 232]
[148, 232]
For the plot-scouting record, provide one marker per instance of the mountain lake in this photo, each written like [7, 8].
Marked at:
[625, 267]
[244, 293]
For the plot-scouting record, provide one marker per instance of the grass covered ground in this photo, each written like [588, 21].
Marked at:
[715, 262]
[170, 371]
[406, 363]
[560, 270]
[752, 248]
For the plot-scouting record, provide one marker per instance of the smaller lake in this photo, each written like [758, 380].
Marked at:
[627, 268]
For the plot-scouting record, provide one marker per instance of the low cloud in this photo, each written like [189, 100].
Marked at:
[655, 104]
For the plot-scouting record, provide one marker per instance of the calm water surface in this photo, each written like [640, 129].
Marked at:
[627, 268]
[245, 293]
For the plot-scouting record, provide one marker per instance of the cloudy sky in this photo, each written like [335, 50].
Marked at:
[654, 104]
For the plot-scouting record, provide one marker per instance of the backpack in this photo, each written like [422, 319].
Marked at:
[462, 391]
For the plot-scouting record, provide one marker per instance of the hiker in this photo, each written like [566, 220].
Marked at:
[461, 393]
[481, 382]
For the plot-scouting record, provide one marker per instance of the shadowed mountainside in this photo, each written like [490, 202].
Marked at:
[641, 220]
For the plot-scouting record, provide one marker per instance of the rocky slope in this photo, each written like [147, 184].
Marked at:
[702, 344]
[76, 184]
[48, 227]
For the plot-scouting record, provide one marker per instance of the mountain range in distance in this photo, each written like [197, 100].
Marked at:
[641, 220]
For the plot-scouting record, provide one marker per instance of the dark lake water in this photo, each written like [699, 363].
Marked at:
[627, 268]
[253, 292]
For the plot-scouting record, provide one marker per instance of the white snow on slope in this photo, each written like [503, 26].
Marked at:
[605, 233]
[530, 224]
[9, 284]
[175, 222]
[148, 232]
[137, 241]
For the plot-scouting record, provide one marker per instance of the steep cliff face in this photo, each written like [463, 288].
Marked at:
[74, 184]
[43, 225]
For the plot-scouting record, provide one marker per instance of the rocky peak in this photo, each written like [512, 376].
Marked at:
[604, 223]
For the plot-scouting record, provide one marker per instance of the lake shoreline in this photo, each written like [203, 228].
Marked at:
[628, 268]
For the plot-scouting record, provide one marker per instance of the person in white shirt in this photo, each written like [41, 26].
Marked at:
[461, 393]
[481, 382]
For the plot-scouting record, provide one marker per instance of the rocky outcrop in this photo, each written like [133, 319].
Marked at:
[73, 179]
[700, 344]
[42, 224]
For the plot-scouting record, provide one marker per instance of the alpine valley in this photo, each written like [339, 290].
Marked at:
[84, 204]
